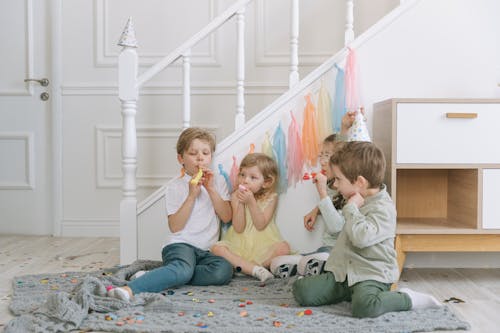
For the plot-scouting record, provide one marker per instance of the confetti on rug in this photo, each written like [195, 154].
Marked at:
[76, 300]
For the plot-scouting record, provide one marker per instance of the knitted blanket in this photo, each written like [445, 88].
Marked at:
[74, 300]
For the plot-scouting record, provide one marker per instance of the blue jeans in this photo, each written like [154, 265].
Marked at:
[184, 264]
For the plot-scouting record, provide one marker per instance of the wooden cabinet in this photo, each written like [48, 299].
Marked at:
[443, 172]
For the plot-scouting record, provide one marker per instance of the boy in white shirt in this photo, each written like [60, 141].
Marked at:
[195, 202]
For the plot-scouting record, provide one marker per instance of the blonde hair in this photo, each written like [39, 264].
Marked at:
[267, 166]
[359, 158]
[189, 134]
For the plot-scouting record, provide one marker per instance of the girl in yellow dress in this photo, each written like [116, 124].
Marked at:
[254, 239]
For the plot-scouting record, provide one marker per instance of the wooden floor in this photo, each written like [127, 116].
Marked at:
[20, 255]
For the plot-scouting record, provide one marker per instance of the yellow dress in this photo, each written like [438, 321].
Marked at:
[254, 245]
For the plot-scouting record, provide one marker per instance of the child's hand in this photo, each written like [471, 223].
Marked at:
[356, 199]
[310, 219]
[348, 120]
[244, 195]
[321, 180]
[195, 189]
[208, 179]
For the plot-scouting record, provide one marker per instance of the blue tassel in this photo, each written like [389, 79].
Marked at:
[279, 149]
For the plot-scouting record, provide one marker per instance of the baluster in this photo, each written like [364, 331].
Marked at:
[186, 57]
[349, 25]
[240, 79]
[128, 94]
[294, 44]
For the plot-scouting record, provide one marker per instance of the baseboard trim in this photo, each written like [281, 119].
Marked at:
[90, 228]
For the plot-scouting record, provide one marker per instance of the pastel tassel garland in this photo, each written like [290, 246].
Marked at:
[324, 113]
[352, 90]
[279, 147]
[310, 141]
[224, 174]
[267, 148]
[295, 159]
[339, 99]
[233, 175]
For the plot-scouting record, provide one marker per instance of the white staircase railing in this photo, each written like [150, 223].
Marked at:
[130, 83]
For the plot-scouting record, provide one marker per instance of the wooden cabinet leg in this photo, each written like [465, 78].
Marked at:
[400, 254]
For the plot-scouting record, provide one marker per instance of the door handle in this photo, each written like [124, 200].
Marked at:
[43, 82]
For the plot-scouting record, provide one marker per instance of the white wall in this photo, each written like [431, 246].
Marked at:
[440, 49]
[444, 48]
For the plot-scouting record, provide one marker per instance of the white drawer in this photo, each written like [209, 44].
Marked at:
[491, 192]
[426, 135]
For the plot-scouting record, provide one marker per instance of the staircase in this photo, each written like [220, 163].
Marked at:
[143, 227]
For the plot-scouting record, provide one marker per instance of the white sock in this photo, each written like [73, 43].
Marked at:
[137, 275]
[420, 300]
[261, 273]
[119, 293]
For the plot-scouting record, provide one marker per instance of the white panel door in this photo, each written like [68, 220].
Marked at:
[25, 154]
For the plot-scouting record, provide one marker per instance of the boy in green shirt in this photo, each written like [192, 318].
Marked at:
[362, 265]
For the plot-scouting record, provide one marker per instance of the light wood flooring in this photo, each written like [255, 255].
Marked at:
[21, 255]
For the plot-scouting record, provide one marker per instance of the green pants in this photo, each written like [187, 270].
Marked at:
[369, 298]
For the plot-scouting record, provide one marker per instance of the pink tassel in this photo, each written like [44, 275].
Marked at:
[352, 91]
[233, 176]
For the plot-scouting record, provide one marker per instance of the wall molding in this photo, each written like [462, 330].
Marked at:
[175, 89]
[267, 58]
[104, 57]
[90, 227]
[29, 43]
[109, 179]
[29, 152]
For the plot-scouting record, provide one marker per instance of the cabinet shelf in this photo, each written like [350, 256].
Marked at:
[437, 199]
[432, 226]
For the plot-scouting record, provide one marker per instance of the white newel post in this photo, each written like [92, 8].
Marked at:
[186, 68]
[239, 119]
[128, 94]
[349, 22]
[294, 44]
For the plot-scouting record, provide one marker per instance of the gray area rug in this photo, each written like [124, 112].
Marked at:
[76, 301]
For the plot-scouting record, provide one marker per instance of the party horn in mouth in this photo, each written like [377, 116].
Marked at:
[197, 178]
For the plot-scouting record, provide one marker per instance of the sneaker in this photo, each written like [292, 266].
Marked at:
[285, 266]
[261, 273]
[119, 293]
[312, 264]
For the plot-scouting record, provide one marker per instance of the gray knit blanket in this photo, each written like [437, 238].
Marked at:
[77, 301]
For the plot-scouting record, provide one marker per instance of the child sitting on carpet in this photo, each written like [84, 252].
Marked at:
[195, 202]
[254, 239]
[312, 263]
[362, 265]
